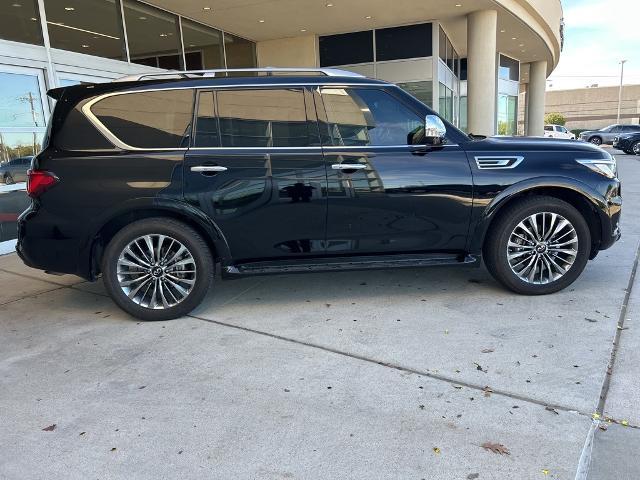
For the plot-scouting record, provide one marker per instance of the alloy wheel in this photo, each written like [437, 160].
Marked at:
[636, 148]
[542, 248]
[156, 271]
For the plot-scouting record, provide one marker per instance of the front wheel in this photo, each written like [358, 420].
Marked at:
[157, 269]
[636, 148]
[596, 140]
[538, 245]
[8, 179]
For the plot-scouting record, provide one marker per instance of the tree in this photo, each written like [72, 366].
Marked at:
[554, 118]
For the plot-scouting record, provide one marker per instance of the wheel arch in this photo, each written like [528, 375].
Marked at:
[110, 225]
[580, 196]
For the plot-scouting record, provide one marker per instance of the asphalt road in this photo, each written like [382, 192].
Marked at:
[394, 374]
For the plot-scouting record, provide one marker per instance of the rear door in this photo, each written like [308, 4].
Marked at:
[385, 194]
[255, 167]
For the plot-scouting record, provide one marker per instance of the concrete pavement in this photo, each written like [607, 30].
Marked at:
[396, 374]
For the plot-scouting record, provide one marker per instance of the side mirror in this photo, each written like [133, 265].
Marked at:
[434, 130]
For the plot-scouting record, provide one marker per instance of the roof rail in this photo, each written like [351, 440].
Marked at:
[329, 72]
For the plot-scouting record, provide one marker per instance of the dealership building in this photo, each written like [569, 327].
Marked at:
[467, 59]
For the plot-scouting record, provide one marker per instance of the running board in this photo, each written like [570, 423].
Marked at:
[350, 263]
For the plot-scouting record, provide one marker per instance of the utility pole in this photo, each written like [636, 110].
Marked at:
[622, 62]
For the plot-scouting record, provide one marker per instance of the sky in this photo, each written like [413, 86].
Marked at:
[598, 34]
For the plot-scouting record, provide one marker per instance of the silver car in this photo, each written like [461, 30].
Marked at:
[607, 134]
[15, 170]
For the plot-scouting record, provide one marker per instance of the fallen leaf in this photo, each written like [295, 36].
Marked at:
[113, 449]
[50, 428]
[479, 367]
[488, 350]
[595, 416]
[473, 476]
[487, 391]
[551, 409]
[591, 320]
[623, 422]
[436, 450]
[496, 448]
[603, 427]
[82, 433]
[545, 472]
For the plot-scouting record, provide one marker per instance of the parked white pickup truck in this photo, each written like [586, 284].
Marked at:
[558, 131]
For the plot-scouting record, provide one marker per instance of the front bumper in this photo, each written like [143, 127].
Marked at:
[621, 144]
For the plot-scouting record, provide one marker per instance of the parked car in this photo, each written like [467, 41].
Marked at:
[313, 171]
[629, 143]
[15, 170]
[607, 134]
[558, 131]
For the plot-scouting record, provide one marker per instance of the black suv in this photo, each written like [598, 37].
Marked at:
[629, 143]
[151, 183]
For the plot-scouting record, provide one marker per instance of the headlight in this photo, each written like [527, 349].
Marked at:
[604, 166]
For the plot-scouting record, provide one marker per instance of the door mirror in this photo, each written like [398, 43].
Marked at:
[434, 130]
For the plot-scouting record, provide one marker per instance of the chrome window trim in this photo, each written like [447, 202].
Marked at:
[502, 162]
[86, 108]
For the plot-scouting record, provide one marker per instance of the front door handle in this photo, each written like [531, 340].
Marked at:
[208, 168]
[348, 166]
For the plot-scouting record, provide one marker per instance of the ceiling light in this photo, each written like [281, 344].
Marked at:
[34, 19]
[458, 4]
[142, 18]
[206, 8]
[368, 17]
[329, 5]
[502, 31]
[163, 34]
[192, 44]
[85, 46]
[303, 30]
[260, 21]
[514, 38]
[16, 5]
[69, 9]
[521, 45]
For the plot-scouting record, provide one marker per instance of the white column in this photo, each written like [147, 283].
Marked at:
[481, 71]
[536, 98]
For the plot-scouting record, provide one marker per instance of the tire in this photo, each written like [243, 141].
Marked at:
[173, 286]
[8, 179]
[628, 152]
[507, 227]
[595, 140]
[635, 148]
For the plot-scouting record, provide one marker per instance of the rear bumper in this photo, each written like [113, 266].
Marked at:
[44, 246]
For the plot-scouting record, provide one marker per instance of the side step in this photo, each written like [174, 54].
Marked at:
[350, 263]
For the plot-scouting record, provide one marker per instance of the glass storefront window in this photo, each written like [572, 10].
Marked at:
[20, 21]
[241, 53]
[202, 46]
[446, 102]
[20, 101]
[423, 91]
[154, 36]
[19, 146]
[333, 51]
[507, 114]
[413, 41]
[464, 126]
[86, 26]
[509, 69]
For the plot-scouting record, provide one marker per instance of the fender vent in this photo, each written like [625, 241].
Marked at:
[498, 162]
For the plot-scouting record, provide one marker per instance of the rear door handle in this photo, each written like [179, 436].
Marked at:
[208, 168]
[348, 166]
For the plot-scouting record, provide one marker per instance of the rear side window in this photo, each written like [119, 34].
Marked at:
[155, 119]
[548, 128]
[252, 118]
[368, 117]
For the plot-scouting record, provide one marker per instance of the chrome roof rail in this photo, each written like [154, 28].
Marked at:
[329, 72]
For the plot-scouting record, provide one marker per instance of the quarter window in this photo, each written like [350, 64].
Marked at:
[257, 118]
[363, 117]
[156, 119]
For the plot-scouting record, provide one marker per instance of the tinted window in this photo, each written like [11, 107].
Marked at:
[346, 49]
[241, 53]
[261, 118]
[403, 42]
[631, 128]
[509, 68]
[86, 26]
[20, 21]
[548, 128]
[463, 69]
[206, 122]
[615, 129]
[357, 117]
[157, 119]
[202, 46]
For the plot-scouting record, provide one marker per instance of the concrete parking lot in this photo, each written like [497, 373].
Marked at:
[401, 374]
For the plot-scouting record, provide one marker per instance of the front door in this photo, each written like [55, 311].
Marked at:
[256, 169]
[386, 195]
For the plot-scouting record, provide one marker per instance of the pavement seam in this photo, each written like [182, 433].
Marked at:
[399, 367]
[31, 295]
[616, 340]
[31, 277]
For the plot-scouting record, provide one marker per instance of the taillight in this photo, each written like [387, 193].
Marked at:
[38, 181]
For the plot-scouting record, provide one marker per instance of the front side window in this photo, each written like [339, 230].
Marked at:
[252, 118]
[363, 117]
[156, 119]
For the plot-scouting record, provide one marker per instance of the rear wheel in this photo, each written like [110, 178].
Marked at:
[8, 179]
[157, 269]
[538, 245]
[636, 148]
[596, 140]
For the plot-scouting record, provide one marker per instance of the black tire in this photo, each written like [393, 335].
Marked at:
[595, 140]
[495, 246]
[635, 148]
[197, 248]
[8, 179]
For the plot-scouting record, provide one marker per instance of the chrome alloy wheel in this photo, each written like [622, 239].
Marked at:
[542, 248]
[156, 271]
